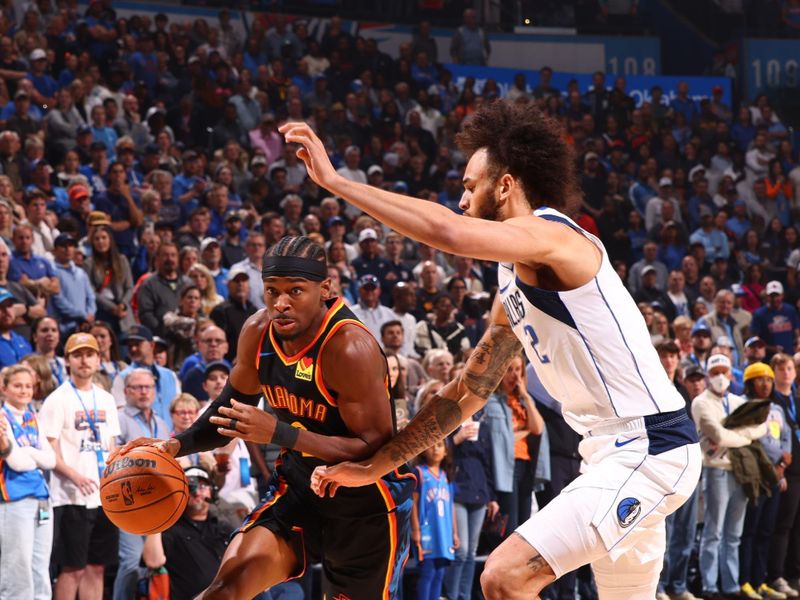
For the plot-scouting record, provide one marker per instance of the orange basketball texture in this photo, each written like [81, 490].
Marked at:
[144, 491]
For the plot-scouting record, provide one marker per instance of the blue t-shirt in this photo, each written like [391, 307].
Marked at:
[34, 267]
[14, 349]
[435, 510]
[776, 327]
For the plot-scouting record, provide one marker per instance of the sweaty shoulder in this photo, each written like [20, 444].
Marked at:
[350, 350]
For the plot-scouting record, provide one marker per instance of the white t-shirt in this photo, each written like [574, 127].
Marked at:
[63, 417]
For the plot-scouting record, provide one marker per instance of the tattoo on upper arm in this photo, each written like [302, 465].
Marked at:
[538, 565]
[488, 362]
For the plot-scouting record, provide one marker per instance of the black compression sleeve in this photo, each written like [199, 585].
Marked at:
[202, 435]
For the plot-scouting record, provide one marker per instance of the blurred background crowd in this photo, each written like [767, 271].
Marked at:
[142, 178]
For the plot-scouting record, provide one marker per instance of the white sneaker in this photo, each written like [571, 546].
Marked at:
[781, 585]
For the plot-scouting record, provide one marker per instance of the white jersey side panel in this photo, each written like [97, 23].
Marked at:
[589, 346]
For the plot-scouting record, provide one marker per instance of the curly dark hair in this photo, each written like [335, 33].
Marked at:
[529, 145]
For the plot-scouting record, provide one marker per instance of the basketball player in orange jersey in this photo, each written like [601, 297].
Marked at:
[325, 377]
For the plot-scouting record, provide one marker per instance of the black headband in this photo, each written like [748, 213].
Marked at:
[294, 266]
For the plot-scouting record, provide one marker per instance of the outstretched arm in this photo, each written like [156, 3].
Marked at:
[449, 408]
[529, 239]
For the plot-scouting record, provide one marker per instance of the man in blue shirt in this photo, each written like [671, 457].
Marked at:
[34, 272]
[118, 202]
[776, 323]
[213, 347]
[45, 87]
[75, 303]
[13, 347]
[714, 241]
[140, 351]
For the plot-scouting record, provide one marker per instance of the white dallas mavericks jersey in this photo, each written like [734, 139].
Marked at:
[589, 346]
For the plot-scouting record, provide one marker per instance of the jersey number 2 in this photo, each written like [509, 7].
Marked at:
[534, 340]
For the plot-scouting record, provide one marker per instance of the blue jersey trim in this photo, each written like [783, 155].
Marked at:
[548, 302]
[559, 219]
[624, 341]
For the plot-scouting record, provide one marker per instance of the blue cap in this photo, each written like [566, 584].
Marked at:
[400, 186]
[216, 365]
[152, 149]
[335, 221]
[453, 174]
[701, 327]
[5, 295]
[139, 333]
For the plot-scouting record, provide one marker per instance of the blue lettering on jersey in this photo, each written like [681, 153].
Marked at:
[514, 308]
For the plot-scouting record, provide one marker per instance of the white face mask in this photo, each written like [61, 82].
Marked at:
[719, 384]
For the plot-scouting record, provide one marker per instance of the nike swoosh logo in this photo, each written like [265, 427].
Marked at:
[267, 353]
[619, 444]
[503, 289]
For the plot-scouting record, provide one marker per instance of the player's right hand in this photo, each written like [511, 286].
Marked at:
[326, 480]
[170, 446]
[312, 152]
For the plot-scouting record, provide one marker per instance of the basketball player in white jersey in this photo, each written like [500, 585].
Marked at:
[562, 300]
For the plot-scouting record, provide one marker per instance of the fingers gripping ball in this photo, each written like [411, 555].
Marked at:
[144, 491]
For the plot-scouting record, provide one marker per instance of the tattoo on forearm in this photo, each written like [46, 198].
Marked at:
[488, 362]
[432, 423]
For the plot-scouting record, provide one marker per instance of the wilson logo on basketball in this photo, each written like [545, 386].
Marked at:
[305, 369]
[127, 463]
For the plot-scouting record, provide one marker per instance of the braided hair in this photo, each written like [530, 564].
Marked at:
[298, 246]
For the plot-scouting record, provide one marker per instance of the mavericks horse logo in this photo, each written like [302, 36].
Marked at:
[627, 511]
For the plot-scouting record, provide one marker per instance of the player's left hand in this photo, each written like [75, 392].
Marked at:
[245, 422]
[326, 480]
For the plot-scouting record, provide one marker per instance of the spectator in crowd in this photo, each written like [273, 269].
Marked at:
[26, 526]
[776, 323]
[254, 248]
[110, 361]
[526, 421]
[74, 304]
[404, 301]
[46, 338]
[13, 347]
[722, 324]
[470, 44]
[231, 315]
[682, 524]
[759, 520]
[650, 250]
[136, 419]
[80, 420]
[725, 501]
[139, 340]
[34, 272]
[474, 497]
[782, 569]
[192, 549]
[110, 275]
[369, 310]
[158, 294]
[213, 347]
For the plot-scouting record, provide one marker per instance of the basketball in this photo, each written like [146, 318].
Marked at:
[144, 491]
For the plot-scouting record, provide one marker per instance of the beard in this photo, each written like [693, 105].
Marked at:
[489, 211]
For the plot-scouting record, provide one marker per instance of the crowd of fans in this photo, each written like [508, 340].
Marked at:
[142, 179]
